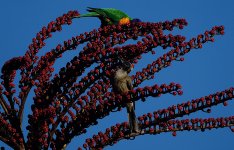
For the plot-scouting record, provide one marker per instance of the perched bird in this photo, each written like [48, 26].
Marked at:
[109, 16]
[122, 84]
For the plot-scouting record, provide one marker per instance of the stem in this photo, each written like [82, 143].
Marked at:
[21, 109]
[4, 104]
[9, 143]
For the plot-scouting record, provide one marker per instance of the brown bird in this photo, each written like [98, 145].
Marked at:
[122, 84]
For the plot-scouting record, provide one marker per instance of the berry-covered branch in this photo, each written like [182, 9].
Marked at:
[161, 121]
[67, 103]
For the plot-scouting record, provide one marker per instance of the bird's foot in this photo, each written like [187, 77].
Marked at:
[135, 131]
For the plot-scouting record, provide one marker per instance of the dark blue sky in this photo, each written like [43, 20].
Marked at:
[204, 71]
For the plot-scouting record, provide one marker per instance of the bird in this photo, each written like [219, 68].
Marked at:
[122, 84]
[109, 16]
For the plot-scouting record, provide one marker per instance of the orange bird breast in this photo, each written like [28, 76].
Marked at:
[124, 21]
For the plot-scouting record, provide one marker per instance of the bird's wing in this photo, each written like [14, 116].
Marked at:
[113, 14]
[129, 83]
[105, 19]
[98, 11]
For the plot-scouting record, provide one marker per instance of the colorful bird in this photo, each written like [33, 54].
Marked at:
[109, 16]
[122, 84]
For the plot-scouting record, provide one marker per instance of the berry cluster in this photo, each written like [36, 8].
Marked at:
[161, 121]
[67, 103]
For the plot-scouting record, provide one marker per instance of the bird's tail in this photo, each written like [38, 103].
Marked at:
[132, 118]
[91, 14]
[91, 9]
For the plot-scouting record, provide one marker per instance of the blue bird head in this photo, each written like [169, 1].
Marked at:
[136, 20]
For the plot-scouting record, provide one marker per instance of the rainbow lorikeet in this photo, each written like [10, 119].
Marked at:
[109, 16]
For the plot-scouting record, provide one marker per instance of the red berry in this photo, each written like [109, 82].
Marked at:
[182, 59]
[225, 103]
[173, 133]
[174, 93]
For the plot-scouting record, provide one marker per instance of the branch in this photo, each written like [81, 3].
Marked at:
[143, 25]
[173, 55]
[191, 44]
[93, 74]
[194, 105]
[85, 61]
[160, 117]
[30, 56]
[10, 135]
[89, 115]
[7, 141]
[121, 131]
[4, 104]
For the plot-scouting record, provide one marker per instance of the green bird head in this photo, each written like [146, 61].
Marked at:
[109, 16]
